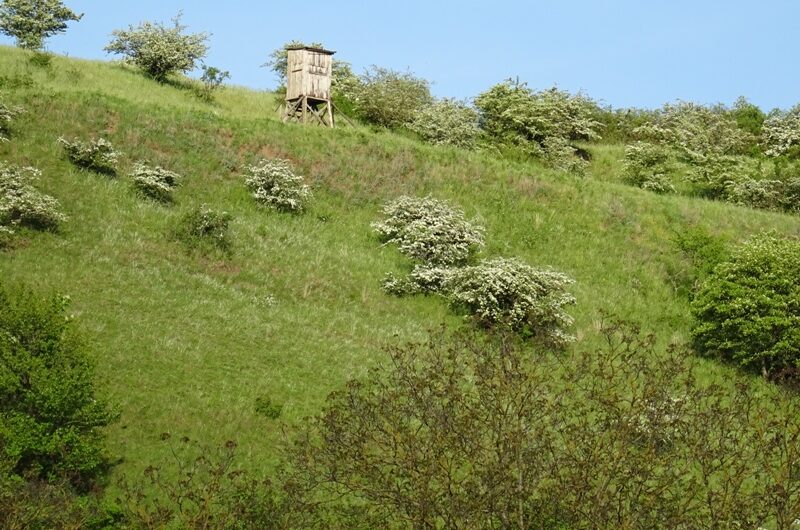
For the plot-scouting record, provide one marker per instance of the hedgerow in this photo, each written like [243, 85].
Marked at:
[274, 183]
[430, 231]
[154, 182]
[98, 154]
[22, 204]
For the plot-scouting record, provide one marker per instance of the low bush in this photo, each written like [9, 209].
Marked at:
[447, 122]
[51, 420]
[22, 204]
[429, 230]
[7, 115]
[155, 183]
[748, 309]
[205, 229]
[508, 293]
[98, 154]
[275, 184]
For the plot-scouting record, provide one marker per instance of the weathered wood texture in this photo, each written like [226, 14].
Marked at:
[309, 74]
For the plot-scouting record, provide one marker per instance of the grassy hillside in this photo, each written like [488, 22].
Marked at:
[186, 343]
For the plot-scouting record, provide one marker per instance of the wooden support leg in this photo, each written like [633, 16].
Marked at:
[330, 114]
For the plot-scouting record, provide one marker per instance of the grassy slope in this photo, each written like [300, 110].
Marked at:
[186, 344]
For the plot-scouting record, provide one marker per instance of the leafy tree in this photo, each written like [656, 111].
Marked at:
[30, 22]
[748, 310]
[51, 421]
[159, 50]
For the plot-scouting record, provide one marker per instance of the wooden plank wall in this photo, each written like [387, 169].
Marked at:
[309, 74]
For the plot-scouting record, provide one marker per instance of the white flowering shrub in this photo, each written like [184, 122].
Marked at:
[543, 123]
[98, 154]
[274, 183]
[509, 293]
[765, 194]
[781, 132]
[22, 204]
[422, 279]
[645, 167]
[447, 122]
[31, 22]
[7, 115]
[429, 230]
[159, 50]
[155, 183]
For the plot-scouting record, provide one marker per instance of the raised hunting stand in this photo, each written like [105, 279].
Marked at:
[308, 86]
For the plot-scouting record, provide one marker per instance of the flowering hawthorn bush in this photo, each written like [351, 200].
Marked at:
[7, 115]
[154, 182]
[447, 122]
[22, 204]
[274, 183]
[645, 167]
[781, 132]
[509, 293]
[98, 154]
[429, 230]
[159, 50]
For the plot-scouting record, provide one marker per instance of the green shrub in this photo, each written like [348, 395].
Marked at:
[22, 204]
[205, 229]
[97, 154]
[645, 167]
[51, 421]
[429, 230]
[155, 183]
[7, 115]
[749, 117]
[30, 22]
[509, 293]
[447, 122]
[388, 98]
[701, 252]
[159, 50]
[274, 183]
[748, 310]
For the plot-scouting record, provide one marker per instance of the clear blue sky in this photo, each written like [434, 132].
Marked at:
[622, 52]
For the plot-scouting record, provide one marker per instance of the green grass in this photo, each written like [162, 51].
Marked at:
[187, 343]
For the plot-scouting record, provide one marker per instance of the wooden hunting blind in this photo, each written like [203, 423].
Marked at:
[308, 85]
